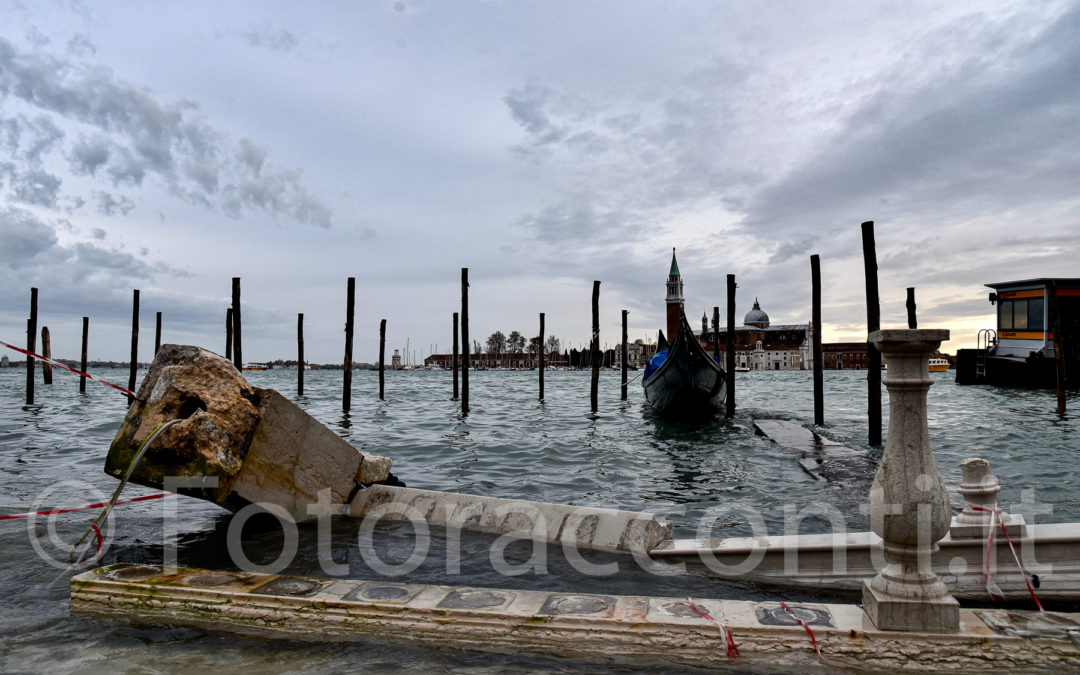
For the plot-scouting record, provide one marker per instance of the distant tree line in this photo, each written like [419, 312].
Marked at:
[515, 343]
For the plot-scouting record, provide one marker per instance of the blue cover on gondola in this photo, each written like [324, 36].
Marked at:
[655, 362]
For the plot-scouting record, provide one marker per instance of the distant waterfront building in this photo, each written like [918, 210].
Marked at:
[504, 360]
[638, 353]
[395, 360]
[4, 363]
[759, 345]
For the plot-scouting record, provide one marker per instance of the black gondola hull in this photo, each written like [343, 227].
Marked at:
[689, 383]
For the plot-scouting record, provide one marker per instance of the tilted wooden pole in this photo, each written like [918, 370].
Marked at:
[350, 302]
[541, 350]
[31, 345]
[454, 356]
[625, 351]
[46, 351]
[134, 344]
[912, 323]
[382, 360]
[300, 354]
[730, 374]
[238, 358]
[85, 342]
[594, 348]
[873, 323]
[465, 344]
[815, 321]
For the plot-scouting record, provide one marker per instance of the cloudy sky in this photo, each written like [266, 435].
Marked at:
[171, 146]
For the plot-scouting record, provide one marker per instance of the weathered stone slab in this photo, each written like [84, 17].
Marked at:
[636, 630]
[582, 526]
[824, 459]
[261, 447]
[220, 413]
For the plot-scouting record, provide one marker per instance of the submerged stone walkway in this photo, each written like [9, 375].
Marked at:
[591, 627]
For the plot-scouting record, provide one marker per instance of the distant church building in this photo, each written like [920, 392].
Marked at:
[395, 360]
[759, 345]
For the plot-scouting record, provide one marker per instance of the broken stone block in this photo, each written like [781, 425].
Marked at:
[261, 447]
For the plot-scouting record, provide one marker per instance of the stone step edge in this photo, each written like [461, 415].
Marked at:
[622, 629]
[586, 527]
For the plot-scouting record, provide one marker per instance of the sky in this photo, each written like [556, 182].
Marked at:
[169, 147]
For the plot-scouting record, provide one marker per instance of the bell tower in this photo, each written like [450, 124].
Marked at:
[674, 298]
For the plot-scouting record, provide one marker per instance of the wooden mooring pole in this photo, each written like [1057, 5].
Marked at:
[465, 345]
[873, 323]
[716, 333]
[350, 300]
[594, 347]
[228, 334]
[541, 350]
[815, 322]
[82, 361]
[454, 357]
[46, 351]
[912, 323]
[31, 346]
[300, 354]
[382, 359]
[157, 334]
[134, 366]
[625, 353]
[238, 358]
[730, 374]
[1059, 346]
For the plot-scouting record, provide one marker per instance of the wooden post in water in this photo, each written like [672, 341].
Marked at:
[31, 346]
[46, 351]
[350, 300]
[238, 358]
[82, 362]
[300, 354]
[134, 366]
[382, 358]
[1054, 310]
[730, 374]
[594, 348]
[228, 334]
[454, 357]
[541, 350]
[157, 334]
[716, 333]
[815, 321]
[625, 353]
[465, 344]
[873, 323]
[912, 323]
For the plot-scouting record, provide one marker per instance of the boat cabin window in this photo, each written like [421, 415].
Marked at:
[1023, 314]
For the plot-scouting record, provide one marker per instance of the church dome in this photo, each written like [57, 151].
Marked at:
[756, 317]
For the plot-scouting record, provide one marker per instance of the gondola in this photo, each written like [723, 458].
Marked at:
[688, 383]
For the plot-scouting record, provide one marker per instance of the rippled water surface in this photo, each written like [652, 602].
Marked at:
[511, 445]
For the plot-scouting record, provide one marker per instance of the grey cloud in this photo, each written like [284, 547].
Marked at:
[141, 137]
[81, 45]
[36, 187]
[979, 137]
[527, 107]
[111, 205]
[24, 237]
[89, 154]
[29, 139]
[279, 40]
[98, 233]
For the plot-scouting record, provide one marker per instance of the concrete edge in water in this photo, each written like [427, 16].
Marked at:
[592, 627]
[585, 527]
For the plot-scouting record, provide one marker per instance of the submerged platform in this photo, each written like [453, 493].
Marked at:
[591, 627]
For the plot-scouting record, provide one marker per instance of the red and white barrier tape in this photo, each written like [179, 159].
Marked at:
[992, 588]
[39, 357]
[725, 631]
[813, 640]
[69, 509]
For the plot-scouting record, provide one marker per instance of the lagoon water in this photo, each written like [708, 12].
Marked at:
[714, 479]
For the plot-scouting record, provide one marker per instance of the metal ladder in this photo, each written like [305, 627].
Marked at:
[986, 338]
